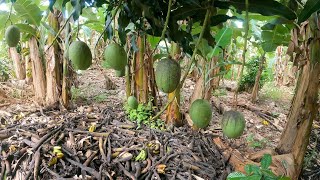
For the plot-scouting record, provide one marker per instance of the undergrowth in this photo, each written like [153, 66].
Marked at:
[254, 172]
[143, 116]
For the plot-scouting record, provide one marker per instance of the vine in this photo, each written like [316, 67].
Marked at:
[190, 64]
[235, 97]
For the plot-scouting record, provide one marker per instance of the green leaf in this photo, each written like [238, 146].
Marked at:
[220, 18]
[29, 11]
[27, 29]
[263, 7]
[252, 169]
[254, 177]
[310, 7]
[222, 38]
[280, 35]
[153, 41]
[284, 178]
[236, 176]
[159, 56]
[266, 161]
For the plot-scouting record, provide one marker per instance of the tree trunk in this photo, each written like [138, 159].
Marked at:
[17, 63]
[39, 80]
[304, 106]
[53, 71]
[28, 64]
[173, 115]
[202, 92]
[143, 80]
[255, 89]
[66, 80]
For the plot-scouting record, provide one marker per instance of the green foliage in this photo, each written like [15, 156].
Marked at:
[100, 98]
[254, 143]
[76, 94]
[143, 116]
[29, 11]
[310, 7]
[274, 36]
[264, 7]
[270, 91]
[4, 71]
[249, 78]
[219, 92]
[254, 172]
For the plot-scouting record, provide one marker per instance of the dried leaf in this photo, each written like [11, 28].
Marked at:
[161, 168]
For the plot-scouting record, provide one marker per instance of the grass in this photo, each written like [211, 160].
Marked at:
[100, 98]
[271, 92]
[76, 94]
[219, 92]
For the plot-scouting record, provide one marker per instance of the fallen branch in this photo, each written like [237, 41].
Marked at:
[85, 168]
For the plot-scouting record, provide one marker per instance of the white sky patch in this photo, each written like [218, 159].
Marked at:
[4, 7]
[238, 23]
[45, 3]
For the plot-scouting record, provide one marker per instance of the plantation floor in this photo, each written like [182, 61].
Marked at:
[28, 134]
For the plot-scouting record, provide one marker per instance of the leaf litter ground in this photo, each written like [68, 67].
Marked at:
[29, 134]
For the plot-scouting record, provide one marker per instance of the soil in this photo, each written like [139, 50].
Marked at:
[97, 139]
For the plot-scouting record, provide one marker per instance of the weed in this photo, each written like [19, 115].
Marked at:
[248, 80]
[76, 94]
[100, 98]
[311, 156]
[269, 91]
[254, 143]
[255, 172]
[219, 92]
[143, 116]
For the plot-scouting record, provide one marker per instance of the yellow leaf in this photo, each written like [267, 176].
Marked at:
[264, 122]
[60, 155]
[92, 128]
[56, 149]
[12, 148]
[53, 161]
[161, 168]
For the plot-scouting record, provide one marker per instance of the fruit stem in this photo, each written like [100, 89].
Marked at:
[60, 30]
[189, 65]
[235, 97]
[164, 29]
[113, 16]
[166, 24]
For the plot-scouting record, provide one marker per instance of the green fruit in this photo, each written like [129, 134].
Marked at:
[233, 124]
[12, 35]
[120, 73]
[200, 113]
[115, 56]
[133, 102]
[80, 55]
[167, 74]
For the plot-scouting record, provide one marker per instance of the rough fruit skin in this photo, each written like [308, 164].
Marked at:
[80, 55]
[115, 56]
[133, 102]
[167, 75]
[12, 36]
[233, 124]
[201, 113]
